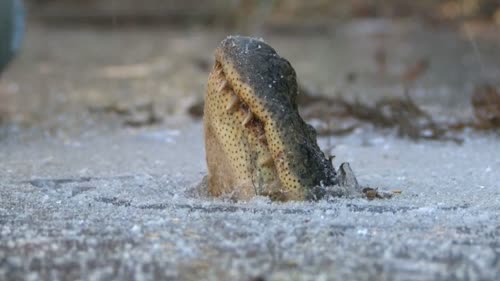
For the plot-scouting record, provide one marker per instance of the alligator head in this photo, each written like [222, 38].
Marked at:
[256, 142]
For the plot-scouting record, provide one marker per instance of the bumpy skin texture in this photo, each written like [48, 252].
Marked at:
[256, 142]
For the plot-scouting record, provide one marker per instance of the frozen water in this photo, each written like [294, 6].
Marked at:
[121, 204]
[84, 200]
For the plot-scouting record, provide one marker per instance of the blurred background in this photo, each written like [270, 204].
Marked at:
[235, 13]
[87, 64]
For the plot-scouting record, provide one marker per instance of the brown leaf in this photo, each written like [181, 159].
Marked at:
[486, 103]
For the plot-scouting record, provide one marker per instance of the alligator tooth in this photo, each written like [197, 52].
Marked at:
[218, 72]
[267, 161]
[248, 118]
[222, 86]
[262, 137]
[330, 158]
[233, 102]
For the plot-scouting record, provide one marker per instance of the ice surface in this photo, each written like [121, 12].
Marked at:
[122, 206]
[82, 199]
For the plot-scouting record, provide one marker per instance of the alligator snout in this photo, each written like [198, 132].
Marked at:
[256, 142]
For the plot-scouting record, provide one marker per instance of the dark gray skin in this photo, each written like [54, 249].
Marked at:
[266, 83]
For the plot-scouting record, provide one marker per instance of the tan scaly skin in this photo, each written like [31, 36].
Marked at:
[256, 142]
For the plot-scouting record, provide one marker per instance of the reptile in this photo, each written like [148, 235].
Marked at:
[256, 142]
